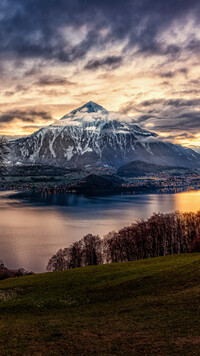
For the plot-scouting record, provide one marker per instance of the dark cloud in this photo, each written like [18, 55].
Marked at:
[111, 62]
[18, 89]
[170, 102]
[165, 83]
[131, 106]
[34, 70]
[183, 70]
[24, 116]
[9, 93]
[176, 137]
[173, 115]
[182, 102]
[171, 74]
[34, 28]
[182, 136]
[52, 80]
[154, 47]
[195, 81]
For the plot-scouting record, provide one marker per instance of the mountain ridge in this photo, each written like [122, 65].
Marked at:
[91, 135]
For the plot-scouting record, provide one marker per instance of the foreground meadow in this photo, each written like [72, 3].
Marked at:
[147, 307]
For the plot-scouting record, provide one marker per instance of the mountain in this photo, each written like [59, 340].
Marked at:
[91, 135]
[141, 168]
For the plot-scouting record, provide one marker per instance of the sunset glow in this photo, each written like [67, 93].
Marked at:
[138, 58]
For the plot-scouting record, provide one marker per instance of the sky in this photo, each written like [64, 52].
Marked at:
[137, 57]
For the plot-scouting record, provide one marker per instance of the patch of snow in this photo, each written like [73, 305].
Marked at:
[69, 153]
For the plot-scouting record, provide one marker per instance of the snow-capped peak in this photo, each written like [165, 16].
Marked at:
[90, 113]
[93, 134]
[89, 107]
[93, 117]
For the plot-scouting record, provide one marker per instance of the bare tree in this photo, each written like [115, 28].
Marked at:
[76, 255]
[92, 250]
[60, 261]
[160, 235]
[85, 252]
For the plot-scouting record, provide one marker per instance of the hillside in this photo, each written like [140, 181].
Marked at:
[94, 184]
[147, 307]
[141, 168]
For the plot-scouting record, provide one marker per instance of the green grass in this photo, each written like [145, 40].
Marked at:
[148, 307]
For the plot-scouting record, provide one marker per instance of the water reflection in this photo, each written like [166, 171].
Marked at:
[31, 230]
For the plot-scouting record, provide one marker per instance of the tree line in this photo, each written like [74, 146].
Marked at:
[11, 273]
[160, 235]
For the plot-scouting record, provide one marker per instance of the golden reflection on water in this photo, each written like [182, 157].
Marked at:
[187, 201]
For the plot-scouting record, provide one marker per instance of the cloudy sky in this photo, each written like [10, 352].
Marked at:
[139, 57]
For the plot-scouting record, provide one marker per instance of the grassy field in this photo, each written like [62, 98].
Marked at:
[148, 307]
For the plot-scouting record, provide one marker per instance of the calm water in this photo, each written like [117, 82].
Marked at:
[34, 229]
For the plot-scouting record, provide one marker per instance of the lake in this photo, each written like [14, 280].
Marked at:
[33, 229]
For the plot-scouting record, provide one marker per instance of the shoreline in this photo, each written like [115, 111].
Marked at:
[33, 192]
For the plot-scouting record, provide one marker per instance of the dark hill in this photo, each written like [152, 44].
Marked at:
[141, 168]
[94, 184]
[38, 170]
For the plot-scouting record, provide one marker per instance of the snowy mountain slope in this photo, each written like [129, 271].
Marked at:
[91, 135]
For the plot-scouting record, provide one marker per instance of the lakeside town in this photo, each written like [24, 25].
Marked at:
[74, 181]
